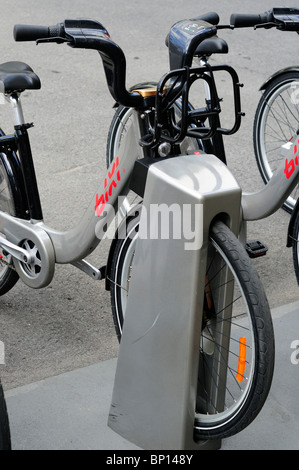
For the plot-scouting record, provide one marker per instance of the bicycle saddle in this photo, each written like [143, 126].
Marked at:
[17, 76]
[214, 45]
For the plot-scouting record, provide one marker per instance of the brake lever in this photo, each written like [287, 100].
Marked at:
[266, 25]
[58, 40]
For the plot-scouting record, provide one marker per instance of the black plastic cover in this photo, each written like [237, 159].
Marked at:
[184, 38]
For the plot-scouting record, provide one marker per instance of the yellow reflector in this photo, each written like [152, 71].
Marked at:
[242, 359]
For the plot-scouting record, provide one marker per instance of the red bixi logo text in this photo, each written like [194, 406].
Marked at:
[109, 183]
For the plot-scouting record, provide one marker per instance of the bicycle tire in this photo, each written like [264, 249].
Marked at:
[295, 237]
[10, 202]
[276, 122]
[5, 438]
[223, 247]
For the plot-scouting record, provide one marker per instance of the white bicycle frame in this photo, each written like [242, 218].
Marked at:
[74, 245]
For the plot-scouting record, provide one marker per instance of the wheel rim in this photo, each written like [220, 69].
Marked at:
[225, 365]
[121, 126]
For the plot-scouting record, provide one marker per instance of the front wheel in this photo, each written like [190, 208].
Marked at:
[236, 355]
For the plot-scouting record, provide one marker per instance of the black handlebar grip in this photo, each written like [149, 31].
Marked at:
[23, 32]
[244, 21]
[211, 17]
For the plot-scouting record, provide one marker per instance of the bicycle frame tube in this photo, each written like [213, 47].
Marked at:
[80, 241]
[270, 198]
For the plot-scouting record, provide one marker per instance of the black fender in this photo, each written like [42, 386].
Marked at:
[277, 74]
[13, 169]
[290, 238]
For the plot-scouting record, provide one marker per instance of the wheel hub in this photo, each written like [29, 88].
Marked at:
[33, 268]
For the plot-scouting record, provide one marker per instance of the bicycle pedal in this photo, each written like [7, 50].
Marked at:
[256, 248]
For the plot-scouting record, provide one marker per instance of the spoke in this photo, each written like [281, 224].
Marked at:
[38, 262]
[116, 284]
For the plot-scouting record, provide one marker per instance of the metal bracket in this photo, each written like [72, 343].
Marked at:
[87, 268]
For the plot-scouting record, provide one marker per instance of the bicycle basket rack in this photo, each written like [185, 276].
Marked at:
[200, 123]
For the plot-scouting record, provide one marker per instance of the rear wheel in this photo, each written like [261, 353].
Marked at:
[236, 356]
[8, 203]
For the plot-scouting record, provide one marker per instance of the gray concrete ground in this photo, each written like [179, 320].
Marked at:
[68, 325]
[70, 411]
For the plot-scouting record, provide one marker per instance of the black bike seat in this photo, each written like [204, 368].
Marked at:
[17, 76]
[213, 45]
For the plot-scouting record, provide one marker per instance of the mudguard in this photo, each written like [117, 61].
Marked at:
[279, 73]
[12, 166]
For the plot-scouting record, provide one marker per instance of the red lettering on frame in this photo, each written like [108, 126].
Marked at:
[113, 184]
[101, 201]
[290, 166]
[100, 204]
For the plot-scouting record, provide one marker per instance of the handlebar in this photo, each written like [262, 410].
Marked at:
[90, 34]
[183, 41]
[282, 18]
[87, 34]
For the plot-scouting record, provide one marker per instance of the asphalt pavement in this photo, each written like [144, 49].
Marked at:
[55, 336]
[70, 411]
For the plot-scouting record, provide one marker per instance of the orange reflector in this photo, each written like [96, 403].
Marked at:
[208, 294]
[242, 359]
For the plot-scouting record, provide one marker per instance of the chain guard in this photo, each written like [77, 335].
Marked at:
[24, 233]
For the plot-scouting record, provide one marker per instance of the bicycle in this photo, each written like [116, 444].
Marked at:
[30, 249]
[5, 439]
[276, 117]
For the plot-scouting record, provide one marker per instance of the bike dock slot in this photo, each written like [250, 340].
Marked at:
[156, 377]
